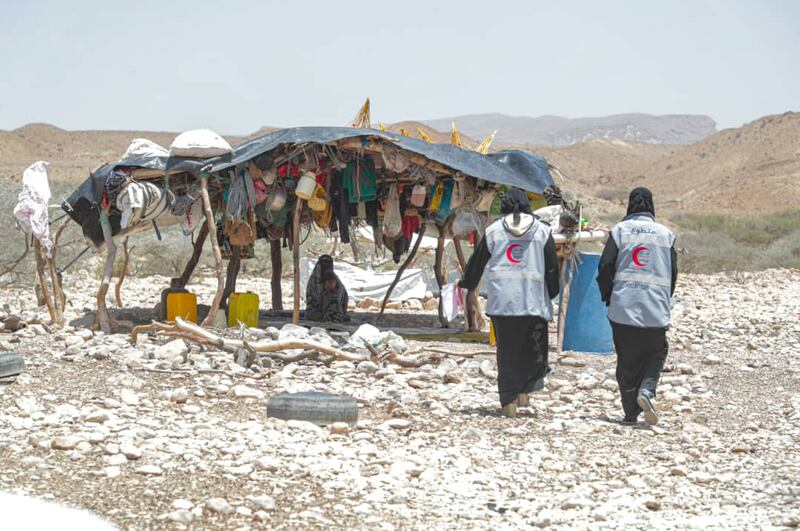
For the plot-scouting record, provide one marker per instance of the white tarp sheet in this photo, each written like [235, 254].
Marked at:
[428, 242]
[362, 284]
[31, 209]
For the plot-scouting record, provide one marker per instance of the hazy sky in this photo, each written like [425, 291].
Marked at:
[235, 66]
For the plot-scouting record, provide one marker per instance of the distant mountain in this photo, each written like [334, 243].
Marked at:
[560, 131]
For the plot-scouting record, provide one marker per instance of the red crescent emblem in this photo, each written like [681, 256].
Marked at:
[635, 256]
[510, 256]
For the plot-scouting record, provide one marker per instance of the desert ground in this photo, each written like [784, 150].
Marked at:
[160, 434]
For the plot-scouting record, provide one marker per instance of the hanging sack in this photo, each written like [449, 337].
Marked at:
[318, 201]
[277, 196]
[238, 231]
[467, 220]
[457, 197]
[392, 219]
[485, 201]
[418, 195]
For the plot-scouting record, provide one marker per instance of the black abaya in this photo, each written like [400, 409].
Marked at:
[522, 352]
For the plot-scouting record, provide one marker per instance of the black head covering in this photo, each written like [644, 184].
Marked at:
[516, 202]
[641, 201]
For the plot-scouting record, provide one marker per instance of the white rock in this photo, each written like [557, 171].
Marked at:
[181, 516]
[179, 395]
[397, 424]
[174, 351]
[66, 442]
[129, 397]
[368, 367]
[264, 502]
[149, 470]
[130, 451]
[112, 471]
[712, 359]
[270, 464]
[242, 391]
[98, 416]
[182, 504]
[340, 428]
[219, 505]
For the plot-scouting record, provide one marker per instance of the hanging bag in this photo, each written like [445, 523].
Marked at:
[392, 219]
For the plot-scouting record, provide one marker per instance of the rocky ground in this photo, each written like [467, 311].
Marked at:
[164, 436]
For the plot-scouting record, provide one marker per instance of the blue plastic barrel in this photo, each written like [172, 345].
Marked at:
[586, 328]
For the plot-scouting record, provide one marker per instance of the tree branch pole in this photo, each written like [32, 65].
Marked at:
[234, 266]
[212, 232]
[103, 320]
[296, 259]
[123, 272]
[277, 270]
[197, 250]
[437, 270]
[37, 255]
[400, 271]
[55, 278]
[563, 307]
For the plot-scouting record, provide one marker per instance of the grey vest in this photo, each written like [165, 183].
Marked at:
[643, 278]
[515, 280]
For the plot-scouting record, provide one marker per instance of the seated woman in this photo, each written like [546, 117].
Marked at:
[326, 296]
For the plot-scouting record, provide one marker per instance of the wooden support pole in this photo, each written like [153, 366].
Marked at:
[234, 266]
[438, 272]
[296, 259]
[277, 270]
[103, 320]
[197, 250]
[403, 267]
[37, 256]
[59, 301]
[123, 272]
[212, 233]
[562, 308]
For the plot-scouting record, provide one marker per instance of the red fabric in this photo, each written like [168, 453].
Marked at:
[410, 226]
[288, 168]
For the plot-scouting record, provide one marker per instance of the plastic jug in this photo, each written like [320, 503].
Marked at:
[243, 308]
[492, 338]
[183, 305]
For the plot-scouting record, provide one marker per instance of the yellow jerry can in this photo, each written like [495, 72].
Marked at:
[243, 308]
[492, 339]
[183, 305]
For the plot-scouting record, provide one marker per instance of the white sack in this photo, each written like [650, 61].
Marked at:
[31, 209]
[142, 148]
[199, 143]
[452, 301]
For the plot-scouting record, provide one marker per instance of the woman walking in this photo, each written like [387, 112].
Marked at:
[522, 279]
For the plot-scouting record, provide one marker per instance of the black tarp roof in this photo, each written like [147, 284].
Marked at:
[511, 168]
[516, 168]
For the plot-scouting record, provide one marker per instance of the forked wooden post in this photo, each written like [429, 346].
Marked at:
[197, 250]
[437, 270]
[403, 267]
[37, 256]
[212, 232]
[234, 266]
[296, 259]
[103, 320]
[123, 272]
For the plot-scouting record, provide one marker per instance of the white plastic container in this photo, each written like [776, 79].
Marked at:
[306, 185]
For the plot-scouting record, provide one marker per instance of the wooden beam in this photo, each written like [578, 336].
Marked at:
[234, 266]
[103, 320]
[123, 272]
[438, 272]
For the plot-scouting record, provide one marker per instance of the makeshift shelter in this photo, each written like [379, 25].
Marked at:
[327, 176]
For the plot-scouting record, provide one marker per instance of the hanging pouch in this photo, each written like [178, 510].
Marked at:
[392, 219]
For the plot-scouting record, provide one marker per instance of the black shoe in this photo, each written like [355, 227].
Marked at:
[645, 401]
[629, 421]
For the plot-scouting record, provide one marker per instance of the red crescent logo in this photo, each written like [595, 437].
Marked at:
[510, 256]
[635, 256]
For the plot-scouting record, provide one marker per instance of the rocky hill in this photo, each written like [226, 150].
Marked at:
[559, 131]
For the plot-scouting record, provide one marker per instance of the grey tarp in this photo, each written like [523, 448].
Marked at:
[512, 168]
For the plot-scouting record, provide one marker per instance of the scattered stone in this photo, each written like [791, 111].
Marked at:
[149, 470]
[219, 505]
[174, 351]
[242, 391]
[130, 451]
[712, 359]
[66, 442]
[179, 396]
[653, 505]
[340, 428]
[264, 502]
